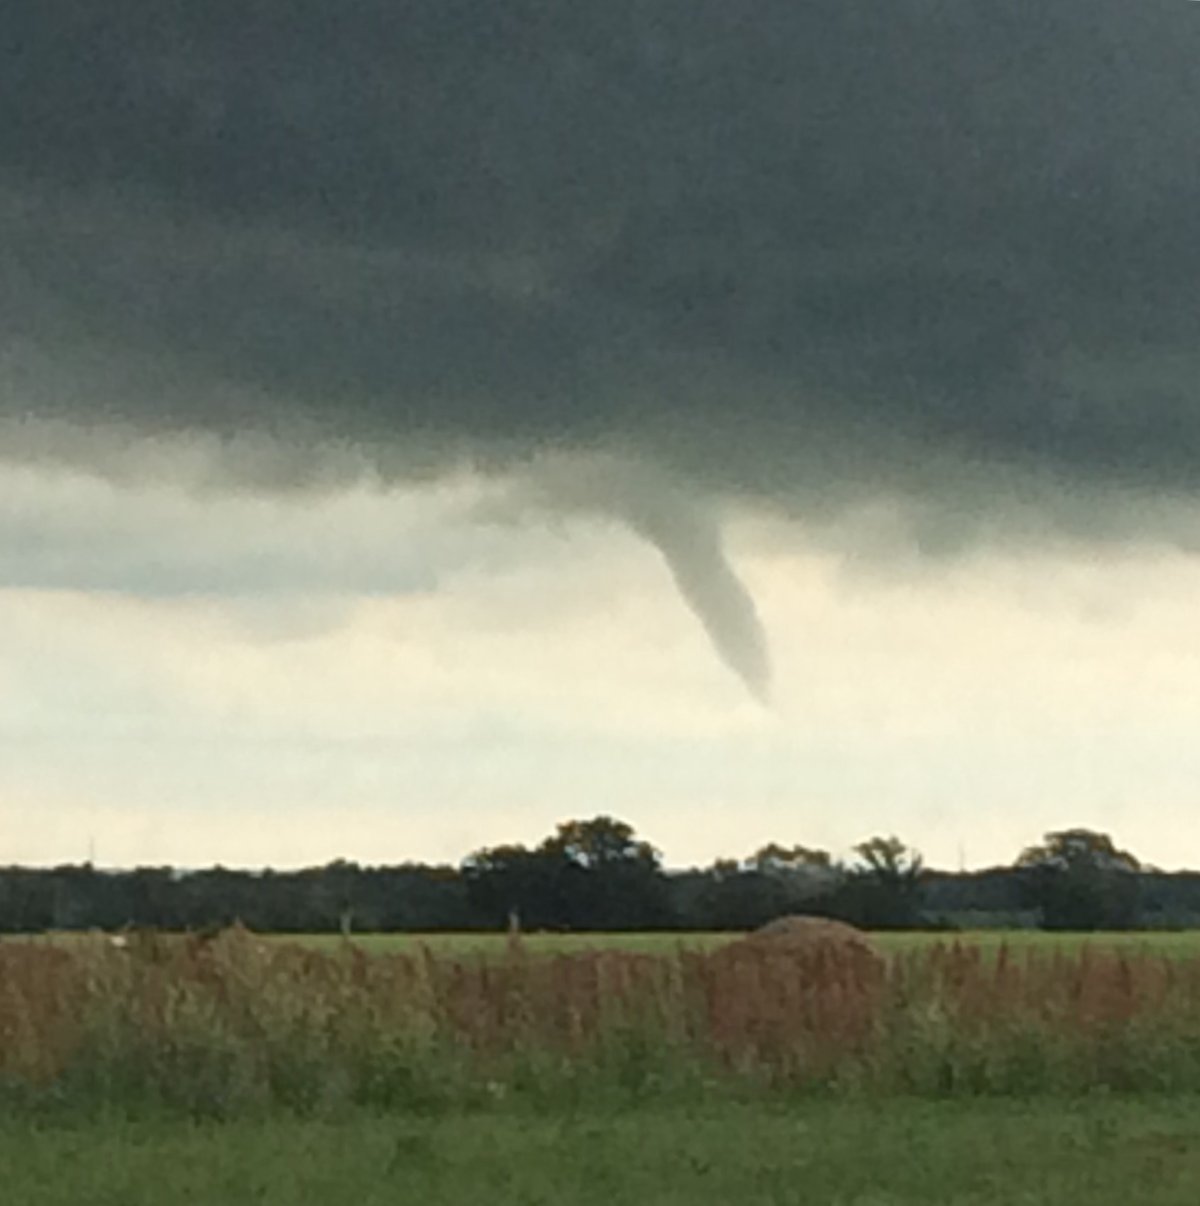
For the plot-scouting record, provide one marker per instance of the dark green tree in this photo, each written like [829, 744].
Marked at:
[607, 877]
[881, 889]
[774, 859]
[504, 881]
[1081, 881]
[599, 843]
[737, 897]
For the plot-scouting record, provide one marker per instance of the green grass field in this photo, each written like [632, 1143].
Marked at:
[1183, 944]
[1179, 943]
[988, 1153]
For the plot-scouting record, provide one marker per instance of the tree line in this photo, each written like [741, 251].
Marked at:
[599, 875]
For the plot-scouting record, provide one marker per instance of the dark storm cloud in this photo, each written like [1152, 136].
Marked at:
[810, 252]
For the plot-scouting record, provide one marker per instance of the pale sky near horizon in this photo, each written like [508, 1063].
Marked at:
[421, 424]
[390, 677]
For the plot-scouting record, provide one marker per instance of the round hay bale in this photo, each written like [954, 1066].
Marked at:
[799, 928]
[799, 937]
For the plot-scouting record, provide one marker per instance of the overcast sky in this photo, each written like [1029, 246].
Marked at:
[421, 423]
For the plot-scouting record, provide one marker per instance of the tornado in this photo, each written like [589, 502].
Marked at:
[689, 539]
[686, 531]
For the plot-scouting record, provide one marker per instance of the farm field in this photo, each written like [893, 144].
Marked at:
[1183, 944]
[600, 1068]
[231, 1024]
[1105, 1152]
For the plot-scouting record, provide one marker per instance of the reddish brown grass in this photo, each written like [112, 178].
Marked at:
[252, 1019]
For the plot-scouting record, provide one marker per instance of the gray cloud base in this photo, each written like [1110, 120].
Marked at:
[810, 254]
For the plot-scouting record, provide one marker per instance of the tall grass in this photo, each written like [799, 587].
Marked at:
[233, 1026]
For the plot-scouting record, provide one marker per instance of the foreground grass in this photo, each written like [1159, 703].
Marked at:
[237, 1070]
[1106, 1152]
[237, 1027]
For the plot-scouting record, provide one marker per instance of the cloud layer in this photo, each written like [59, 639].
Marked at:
[840, 258]
[811, 254]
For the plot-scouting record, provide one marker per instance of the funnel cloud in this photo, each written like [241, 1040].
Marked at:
[686, 532]
[690, 543]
